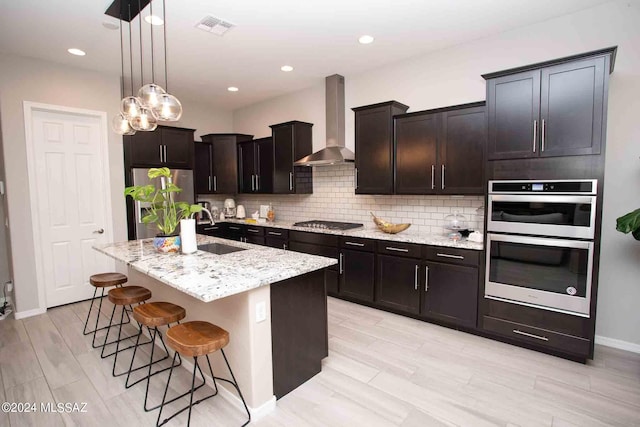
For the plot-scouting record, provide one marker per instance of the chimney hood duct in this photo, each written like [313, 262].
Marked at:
[335, 152]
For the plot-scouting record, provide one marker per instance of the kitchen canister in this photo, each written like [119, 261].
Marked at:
[188, 236]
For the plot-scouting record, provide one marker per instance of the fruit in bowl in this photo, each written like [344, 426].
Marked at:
[388, 227]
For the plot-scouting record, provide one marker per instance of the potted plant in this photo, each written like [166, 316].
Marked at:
[162, 209]
[630, 223]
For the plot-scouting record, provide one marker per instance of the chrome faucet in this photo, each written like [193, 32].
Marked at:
[208, 212]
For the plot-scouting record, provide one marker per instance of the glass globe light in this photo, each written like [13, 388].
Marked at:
[121, 125]
[169, 110]
[145, 121]
[130, 107]
[149, 95]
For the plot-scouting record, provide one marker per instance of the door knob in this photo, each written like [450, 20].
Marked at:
[99, 231]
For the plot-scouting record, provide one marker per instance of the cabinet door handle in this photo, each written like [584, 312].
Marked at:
[257, 182]
[284, 246]
[165, 154]
[391, 248]
[273, 233]
[209, 183]
[415, 279]
[341, 269]
[210, 228]
[527, 334]
[160, 147]
[291, 181]
[433, 177]
[253, 185]
[442, 177]
[450, 256]
[354, 244]
[544, 131]
[234, 228]
[426, 278]
[355, 179]
[253, 230]
[535, 134]
[215, 183]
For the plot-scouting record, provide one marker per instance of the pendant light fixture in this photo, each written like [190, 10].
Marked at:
[152, 103]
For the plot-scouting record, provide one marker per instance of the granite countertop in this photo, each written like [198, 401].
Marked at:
[407, 236]
[209, 277]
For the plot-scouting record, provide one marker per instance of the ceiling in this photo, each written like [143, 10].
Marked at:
[318, 38]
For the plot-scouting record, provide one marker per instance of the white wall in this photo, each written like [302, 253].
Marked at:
[26, 79]
[452, 76]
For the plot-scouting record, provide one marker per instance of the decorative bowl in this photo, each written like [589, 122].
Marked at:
[167, 244]
[393, 228]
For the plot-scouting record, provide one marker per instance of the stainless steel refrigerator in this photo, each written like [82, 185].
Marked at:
[181, 177]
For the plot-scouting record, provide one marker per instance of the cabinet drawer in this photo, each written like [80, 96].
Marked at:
[452, 255]
[399, 249]
[278, 233]
[315, 238]
[309, 248]
[210, 230]
[358, 244]
[537, 336]
[253, 231]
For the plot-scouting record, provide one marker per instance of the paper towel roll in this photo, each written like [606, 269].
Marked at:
[188, 236]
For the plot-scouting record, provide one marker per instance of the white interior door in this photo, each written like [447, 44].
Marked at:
[72, 199]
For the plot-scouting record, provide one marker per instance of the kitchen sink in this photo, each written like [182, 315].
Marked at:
[219, 248]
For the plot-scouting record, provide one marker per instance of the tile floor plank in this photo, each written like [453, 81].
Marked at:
[36, 392]
[19, 364]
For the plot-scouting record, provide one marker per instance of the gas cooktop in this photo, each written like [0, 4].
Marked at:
[327, 225]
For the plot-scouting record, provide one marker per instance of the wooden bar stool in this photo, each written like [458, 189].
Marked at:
[122, 297]
[102, 281]
[197, 339]
[152, 315]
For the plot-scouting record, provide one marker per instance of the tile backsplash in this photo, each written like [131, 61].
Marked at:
[333, 199]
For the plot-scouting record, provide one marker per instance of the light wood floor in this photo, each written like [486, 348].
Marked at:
[382, 370]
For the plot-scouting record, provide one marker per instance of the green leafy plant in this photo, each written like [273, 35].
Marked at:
[630, 223]
[162, 209]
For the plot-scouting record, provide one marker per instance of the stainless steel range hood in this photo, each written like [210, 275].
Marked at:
[335, 152]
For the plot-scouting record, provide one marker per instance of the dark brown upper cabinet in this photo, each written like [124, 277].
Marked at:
[374, 147]
[216, 164]
[165, 146]
[556, 108]
[441, 151]
[255, 166]
[291, 141]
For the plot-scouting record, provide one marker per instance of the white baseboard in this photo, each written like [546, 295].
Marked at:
[619, 344]
[29, 313]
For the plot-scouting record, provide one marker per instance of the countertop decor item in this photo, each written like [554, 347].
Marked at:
[630, 223]
[161, 209]
[388, 227]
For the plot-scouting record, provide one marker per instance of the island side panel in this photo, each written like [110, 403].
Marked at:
[299, 330]
[249, 348]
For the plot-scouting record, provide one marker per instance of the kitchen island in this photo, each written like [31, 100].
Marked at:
[272, 302]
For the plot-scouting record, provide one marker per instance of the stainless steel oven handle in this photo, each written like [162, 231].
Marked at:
[527, 334]
[450, 256]
[542, 198]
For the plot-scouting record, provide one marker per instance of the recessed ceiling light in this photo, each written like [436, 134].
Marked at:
[365, 39]
[286, 68]
[76, 52]
[232, 89]
[110, 25]
[153, 20]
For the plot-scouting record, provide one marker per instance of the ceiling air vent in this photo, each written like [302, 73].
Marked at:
[214, 25]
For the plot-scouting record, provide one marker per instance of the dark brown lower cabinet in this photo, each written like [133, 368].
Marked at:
[256, 240]
[276, 242]
[357, 274]
[398, 283]
[450, 293]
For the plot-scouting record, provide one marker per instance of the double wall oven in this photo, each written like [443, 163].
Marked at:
[540, 243]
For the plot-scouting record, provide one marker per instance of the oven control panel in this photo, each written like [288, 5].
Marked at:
[564, 187]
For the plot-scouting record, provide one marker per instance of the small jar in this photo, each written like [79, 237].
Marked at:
[271, 214]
